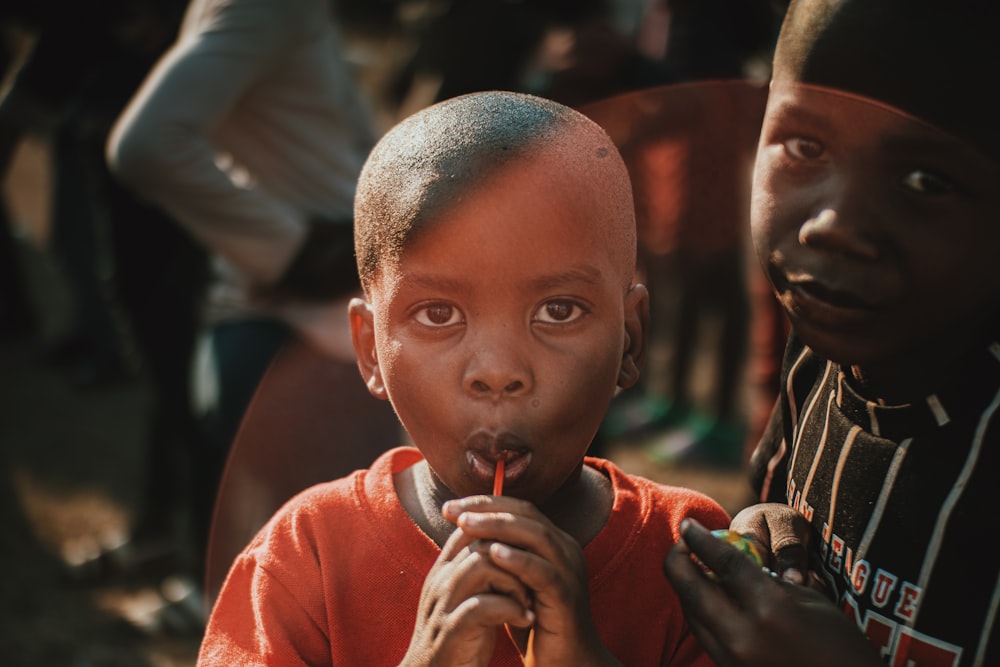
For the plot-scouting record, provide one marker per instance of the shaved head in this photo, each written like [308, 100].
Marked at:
[431, 160]
[935, 61]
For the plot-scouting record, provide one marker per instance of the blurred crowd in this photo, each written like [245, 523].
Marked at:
[142, 275]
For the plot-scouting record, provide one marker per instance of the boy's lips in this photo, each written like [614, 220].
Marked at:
[826, 303]
[833, 297]
[823, 305]
[486, 448]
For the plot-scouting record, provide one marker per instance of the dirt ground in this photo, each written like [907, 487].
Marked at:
[70, 461]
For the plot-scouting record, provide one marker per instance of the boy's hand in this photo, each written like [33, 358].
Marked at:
[464, 599]
[549, 563]
[750, 618]
[785, 538]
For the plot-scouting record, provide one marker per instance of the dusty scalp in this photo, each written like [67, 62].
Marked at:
[427, 161]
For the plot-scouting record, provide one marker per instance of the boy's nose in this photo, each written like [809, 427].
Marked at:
[830, 230]
[497, 370]
[481, 387]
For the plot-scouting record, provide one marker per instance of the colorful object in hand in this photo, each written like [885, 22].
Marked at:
[741, 543]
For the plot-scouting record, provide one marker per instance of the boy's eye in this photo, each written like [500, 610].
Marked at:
[559, 311]
[927, 183]
[438, 315]
[803, 148]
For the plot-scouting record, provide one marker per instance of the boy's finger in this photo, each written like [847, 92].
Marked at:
[523, 533]
[707, 608]
[457, 541]
[488, 610]
[472, 573]
[452, 509]
[535, 572]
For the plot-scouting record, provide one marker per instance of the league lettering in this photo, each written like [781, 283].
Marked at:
[883, 587]
[797, 501]
[859, 577]
[848, 561]
[899, 644]
[836, 554]
[909, 601]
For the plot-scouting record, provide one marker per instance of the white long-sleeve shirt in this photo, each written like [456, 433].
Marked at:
[251, 123]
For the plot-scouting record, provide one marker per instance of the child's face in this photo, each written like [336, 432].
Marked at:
[878, 233]
[502, 331]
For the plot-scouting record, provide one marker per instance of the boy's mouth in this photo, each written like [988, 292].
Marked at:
[485, 448]
[805, 295]
[836, 298]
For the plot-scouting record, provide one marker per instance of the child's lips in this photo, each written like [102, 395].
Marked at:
[813, 299]
[827, 308]
[486, 449]
[835, 298]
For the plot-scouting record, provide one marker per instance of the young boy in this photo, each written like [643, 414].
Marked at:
[495, 237]
[876, 217]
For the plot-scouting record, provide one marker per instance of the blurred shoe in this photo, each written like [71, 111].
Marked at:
[174, 606]
[129, 561]
[700, 442]
[184, 612]
[629, 418]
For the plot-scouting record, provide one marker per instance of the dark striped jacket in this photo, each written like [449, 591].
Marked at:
[905, 500]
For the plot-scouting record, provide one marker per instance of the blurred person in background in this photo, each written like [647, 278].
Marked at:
[692, 185]
[250, 132]
[133, 278]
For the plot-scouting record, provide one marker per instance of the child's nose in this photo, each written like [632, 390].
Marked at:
[831, 230]
[498, 369]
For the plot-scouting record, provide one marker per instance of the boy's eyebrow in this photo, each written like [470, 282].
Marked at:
[790, 113]
[582, 273]
[435, 282]
[585, 273]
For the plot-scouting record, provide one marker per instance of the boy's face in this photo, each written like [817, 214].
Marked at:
[502, 332]
[878, 233]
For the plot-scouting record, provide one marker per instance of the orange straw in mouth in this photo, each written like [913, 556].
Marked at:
[529, 656]
[498, 479]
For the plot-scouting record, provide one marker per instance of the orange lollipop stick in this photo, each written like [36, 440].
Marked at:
[529, 655]
[498, 479]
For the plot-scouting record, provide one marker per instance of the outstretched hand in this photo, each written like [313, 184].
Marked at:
[750, 618]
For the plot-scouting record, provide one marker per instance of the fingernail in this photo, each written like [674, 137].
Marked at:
[501, 551]
[470, 519]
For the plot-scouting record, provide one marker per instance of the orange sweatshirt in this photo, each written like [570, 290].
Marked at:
[335, 577]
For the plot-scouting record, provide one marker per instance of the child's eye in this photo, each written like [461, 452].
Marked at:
[438, 315]
[927, 183]
[803, 148]
[559, 311]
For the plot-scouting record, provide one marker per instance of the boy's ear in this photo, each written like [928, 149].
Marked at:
[363, 336]
[636, 326]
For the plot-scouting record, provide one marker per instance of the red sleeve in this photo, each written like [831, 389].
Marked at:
[257, 619]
